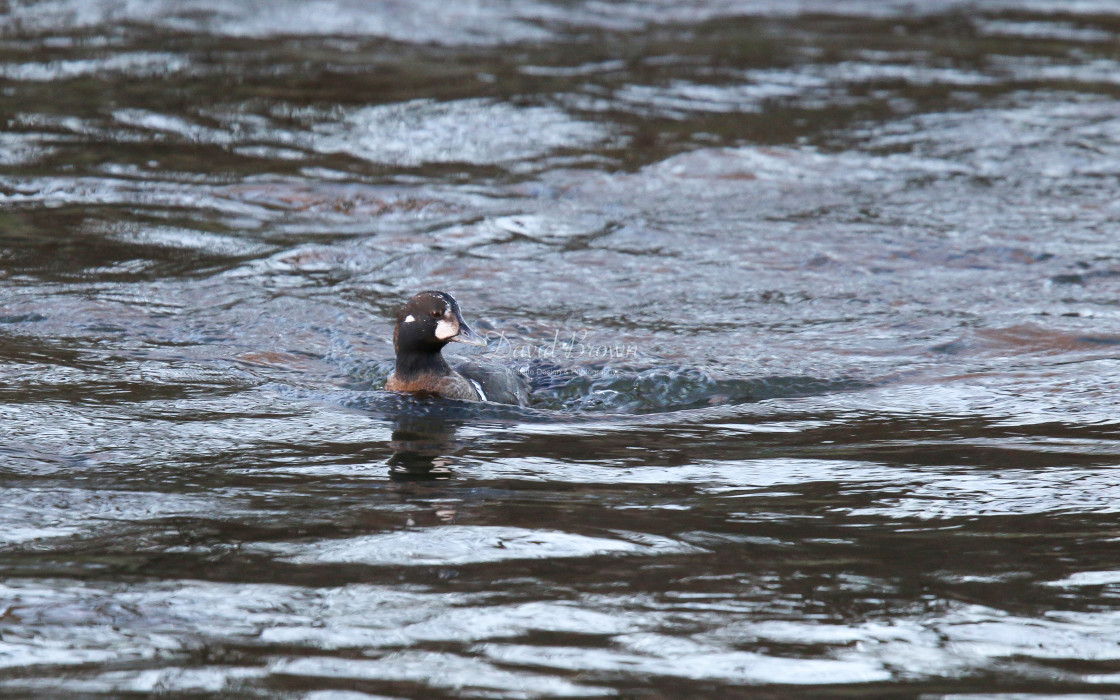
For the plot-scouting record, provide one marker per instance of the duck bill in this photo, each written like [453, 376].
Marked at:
[468, 336]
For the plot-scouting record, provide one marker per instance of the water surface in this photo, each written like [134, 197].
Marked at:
[820, 300]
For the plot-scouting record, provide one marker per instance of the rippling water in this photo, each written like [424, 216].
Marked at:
[819, 298]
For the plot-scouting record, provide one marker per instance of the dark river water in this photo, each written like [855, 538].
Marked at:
[820, 300]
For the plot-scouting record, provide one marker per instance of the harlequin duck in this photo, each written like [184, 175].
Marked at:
[429, 321]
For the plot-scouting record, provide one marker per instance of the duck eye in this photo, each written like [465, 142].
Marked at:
[436, 313]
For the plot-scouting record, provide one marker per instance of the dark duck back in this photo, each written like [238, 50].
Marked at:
[428, 322]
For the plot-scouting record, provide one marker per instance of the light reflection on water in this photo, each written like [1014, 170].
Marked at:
[860, 262]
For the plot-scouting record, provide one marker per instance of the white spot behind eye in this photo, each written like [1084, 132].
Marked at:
[409, 318]
[446, 329]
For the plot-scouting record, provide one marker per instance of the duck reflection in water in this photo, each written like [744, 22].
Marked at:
[423, 444]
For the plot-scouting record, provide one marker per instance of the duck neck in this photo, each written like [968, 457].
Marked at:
[415, 363]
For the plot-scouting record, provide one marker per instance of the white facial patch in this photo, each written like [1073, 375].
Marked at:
[409, 318]
[446, 329]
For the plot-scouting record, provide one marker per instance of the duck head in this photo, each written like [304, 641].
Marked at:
[429, 321]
